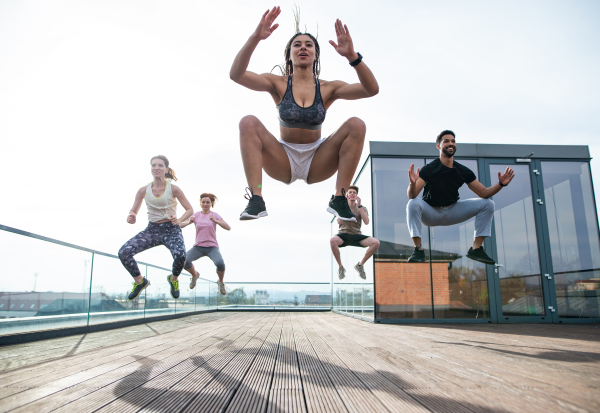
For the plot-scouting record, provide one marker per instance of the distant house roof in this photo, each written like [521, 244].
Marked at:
[318, 299]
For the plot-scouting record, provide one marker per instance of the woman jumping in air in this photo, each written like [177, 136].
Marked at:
[163, 229]
[206, 243]
[302, 100]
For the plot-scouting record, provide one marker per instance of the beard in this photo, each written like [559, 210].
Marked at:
[448, 154]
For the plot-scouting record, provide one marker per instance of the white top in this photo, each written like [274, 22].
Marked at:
[163, 207]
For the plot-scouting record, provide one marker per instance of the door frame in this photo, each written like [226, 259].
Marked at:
[548, 290]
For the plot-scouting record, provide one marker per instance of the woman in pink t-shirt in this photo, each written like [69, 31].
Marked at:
[206, 243]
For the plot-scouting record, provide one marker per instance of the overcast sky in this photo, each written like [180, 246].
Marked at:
[91, 90]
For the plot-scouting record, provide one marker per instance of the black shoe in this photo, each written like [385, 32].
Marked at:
[480, 255]
[137, 289]
[418, 255]
[174, 287]
[256, 207]
[338, 206]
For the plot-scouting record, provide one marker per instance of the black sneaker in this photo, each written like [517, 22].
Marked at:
[174, 287]
[338, 206]
[256, 207]
[480, 255]
[418, 255]
[137, 289]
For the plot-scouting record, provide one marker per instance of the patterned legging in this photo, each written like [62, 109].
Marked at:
[165, 234]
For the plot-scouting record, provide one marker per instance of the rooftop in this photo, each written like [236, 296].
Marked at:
[318, 362]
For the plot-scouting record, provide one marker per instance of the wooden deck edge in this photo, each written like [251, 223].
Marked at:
[70, 331]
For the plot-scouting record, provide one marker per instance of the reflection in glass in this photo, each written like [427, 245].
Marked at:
[403, 289]
[573, 232]
[459, 284]
[516, 240]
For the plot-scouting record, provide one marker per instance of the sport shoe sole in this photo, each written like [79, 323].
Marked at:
[222, 288]
[247, 217]
[138, 294]
[482, 260]
[334, 212]
[415, 260]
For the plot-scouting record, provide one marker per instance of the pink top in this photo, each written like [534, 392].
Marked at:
[206, 230]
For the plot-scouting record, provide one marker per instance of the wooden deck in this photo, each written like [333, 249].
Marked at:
[306, 362]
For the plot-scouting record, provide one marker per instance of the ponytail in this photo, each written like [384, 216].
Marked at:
[170, 172]
[212, 197]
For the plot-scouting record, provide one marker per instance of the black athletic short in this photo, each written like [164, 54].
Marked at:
[352, 240]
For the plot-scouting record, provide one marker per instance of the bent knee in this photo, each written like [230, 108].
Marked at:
[249, 122]
[376, 242]
[489, 204]
[334, 241]
[357, 125]
[123, 253]
[414, 204]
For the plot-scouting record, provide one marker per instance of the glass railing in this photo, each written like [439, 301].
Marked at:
[278, 295]
[48, 284]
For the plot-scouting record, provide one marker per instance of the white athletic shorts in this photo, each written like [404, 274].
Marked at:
[300, 156]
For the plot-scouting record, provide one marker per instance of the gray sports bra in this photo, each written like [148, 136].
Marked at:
[291, 115]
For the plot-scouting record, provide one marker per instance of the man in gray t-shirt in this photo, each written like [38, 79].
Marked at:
[349, 234]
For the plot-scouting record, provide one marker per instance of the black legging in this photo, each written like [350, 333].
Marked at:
[165, 234]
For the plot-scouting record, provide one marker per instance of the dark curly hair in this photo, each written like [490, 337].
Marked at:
[289, 69]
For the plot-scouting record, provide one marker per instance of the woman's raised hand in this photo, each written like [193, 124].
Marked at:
[344, 44]
[266, 26]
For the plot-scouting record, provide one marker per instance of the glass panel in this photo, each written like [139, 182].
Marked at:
[111, 284]
[44, 285]
[459, 284]
[158, 293]
[573, 232]
[187, 297]
[352, 285]
[516, 240]
[273, 296]
[403, 289]
[202, 294]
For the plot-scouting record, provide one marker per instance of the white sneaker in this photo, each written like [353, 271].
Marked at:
[222, 289]
[341, 273]
[193, 282]
[361, 270]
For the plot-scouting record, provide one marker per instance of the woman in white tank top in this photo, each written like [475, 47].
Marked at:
[161, 198]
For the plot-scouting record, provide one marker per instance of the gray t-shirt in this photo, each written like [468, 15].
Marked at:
[351, 227]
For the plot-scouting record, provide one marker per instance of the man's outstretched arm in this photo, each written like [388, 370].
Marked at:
[483, 192]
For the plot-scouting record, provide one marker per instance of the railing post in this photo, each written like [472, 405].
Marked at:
[90, 293]
[145, 293]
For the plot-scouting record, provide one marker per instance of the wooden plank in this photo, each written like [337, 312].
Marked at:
[286, 393]
[199, 370]
[171, 349]
[320, 393]
[253, 392]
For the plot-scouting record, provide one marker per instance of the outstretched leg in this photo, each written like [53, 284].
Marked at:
[260, 150]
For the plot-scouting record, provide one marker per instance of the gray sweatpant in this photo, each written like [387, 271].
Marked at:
[212, 252]
[419, 212]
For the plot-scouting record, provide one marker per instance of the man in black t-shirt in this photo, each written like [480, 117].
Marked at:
[441, 206]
